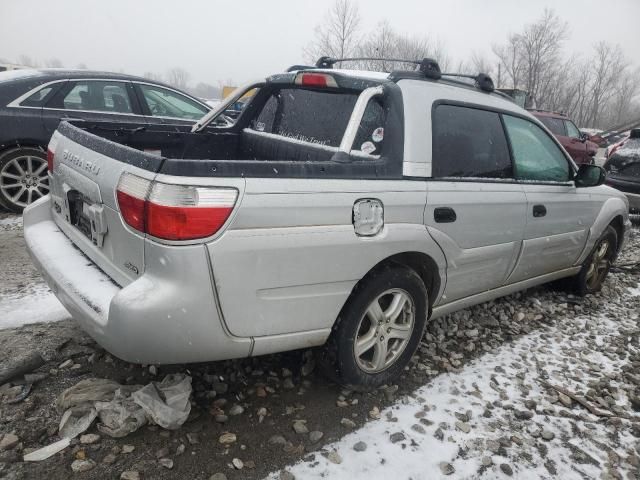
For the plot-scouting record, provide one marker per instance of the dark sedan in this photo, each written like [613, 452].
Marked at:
[32, 103]
[623, 170]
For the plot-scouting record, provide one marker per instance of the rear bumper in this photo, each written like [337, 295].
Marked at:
[167, 315]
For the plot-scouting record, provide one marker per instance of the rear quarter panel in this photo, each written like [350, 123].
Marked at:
[291, 258]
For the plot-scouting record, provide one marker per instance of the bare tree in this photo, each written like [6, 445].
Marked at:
[626, 91]
[206, 91]
[608, 64]
[178, 77]
[157, 77]
[381, 43]
[540, 45]
[27, 61]
[385, 43]
[53, 63]
[509, 62]
[337, 35]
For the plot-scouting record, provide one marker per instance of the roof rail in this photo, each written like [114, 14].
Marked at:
[428, 67]
[294, 68]
[483, 81]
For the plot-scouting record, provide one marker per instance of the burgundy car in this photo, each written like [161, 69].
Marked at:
[576, 143]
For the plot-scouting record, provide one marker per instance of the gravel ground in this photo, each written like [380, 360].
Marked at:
[484, 376]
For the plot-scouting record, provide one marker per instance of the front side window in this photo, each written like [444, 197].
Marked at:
[167, 103]
[572, 130]
[535, 154]
[468, 142]
[555, 125]
[101, 96]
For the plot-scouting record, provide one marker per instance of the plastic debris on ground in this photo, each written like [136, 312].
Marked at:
[121, 409]
[166, 402]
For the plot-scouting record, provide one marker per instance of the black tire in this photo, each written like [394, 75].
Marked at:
[338, 358]
[596, 267]
[17, 193]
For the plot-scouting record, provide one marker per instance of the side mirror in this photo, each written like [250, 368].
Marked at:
[583, 137]
[590, 176]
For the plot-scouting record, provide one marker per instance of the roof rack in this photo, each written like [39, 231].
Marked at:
[428, 67]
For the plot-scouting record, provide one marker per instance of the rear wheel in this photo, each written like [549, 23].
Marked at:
[596, 267]
[378, 329]
[23, 177]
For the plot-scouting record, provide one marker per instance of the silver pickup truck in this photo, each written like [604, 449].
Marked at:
[341, 208]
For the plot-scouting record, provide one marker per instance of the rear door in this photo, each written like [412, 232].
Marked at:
[93, 101]
[558, 215]
[475, 208]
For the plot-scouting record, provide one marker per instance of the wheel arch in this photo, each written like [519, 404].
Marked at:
[17, 144]
[421, 263]
[618, 224]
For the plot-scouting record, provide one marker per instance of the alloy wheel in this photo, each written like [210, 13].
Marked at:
[384, 330]
[599, 266]
[24, 179]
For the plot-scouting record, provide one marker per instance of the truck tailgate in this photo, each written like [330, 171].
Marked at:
[86, 171]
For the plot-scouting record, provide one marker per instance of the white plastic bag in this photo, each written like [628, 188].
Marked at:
[166, 402]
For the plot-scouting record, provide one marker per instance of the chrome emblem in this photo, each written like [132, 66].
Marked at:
[80, 162]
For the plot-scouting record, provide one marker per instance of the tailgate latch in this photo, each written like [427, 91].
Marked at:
[98, 223]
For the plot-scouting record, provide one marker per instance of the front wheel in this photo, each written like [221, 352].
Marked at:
[378, 329]
[596, 267]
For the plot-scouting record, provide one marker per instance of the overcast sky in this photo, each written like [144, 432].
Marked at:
[241, 40]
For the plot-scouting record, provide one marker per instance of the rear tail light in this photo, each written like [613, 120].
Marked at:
[316, 80]
[174, 212]
[51, 150]
[132, 193]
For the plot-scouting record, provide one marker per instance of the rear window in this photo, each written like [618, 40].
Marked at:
[320, 118]
[555, 125]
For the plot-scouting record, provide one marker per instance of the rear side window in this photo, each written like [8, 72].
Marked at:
[36, 99]
[308, 115]
[101, 96]
[555, 125]
[469, 142]
[536, 155]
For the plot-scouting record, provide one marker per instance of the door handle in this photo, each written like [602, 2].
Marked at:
[444, 215]
[539, 211]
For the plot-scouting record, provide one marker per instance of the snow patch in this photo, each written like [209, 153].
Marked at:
[429, 419]
[39, 306]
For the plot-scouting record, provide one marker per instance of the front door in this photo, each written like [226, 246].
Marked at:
[576, 145]
[475, 208]
[558, 215]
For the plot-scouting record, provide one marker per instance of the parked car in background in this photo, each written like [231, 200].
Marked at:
[596, 136]
[615, 142]
[334, 211]
[32, 103]
[572, 139]
[623, 170]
